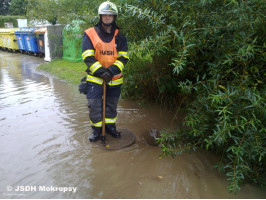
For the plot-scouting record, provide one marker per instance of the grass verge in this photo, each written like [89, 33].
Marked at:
[66, 70]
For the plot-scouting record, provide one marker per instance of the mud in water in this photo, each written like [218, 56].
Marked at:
[44, 127]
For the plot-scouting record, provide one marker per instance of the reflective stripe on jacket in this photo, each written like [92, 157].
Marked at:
[99, 81]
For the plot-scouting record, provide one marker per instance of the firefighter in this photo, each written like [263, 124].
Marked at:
[104, 50]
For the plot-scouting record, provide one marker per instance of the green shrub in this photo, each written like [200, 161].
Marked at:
[210, 54]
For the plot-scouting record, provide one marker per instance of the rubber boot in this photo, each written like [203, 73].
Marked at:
[95, 134]
[111, 129]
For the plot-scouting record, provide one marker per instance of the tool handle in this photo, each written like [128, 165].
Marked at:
[104, 105]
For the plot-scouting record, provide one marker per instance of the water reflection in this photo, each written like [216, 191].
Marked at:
[43, 142]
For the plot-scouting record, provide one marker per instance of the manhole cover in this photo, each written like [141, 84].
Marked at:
[111, 143]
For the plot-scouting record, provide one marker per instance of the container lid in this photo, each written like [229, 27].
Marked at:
[25, 30]
[41, 30]
[8, 30]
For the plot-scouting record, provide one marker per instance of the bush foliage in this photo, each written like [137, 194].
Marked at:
[210, 54]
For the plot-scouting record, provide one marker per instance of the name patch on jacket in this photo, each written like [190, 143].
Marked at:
[111, 53]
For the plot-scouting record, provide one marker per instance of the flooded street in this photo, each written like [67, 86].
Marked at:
[44, 126]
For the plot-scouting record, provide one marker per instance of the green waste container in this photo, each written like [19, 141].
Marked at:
[8, 39]
[72, 41]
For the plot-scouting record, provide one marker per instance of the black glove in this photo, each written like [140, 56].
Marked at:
[107, 75]
[83, 86]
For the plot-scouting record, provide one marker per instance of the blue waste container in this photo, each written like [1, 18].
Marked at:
[30, 40]
[21, 40]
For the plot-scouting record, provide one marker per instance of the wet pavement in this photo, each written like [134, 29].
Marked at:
[44, 151]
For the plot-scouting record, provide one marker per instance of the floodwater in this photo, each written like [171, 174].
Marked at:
[44, 126]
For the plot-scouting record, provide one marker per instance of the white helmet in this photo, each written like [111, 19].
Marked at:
[108, 8]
